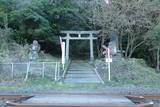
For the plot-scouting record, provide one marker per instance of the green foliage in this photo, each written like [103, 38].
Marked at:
[39, 19]
[132, 71]
[37, 82]
[153, 37]
[43, 19]
[5, 35]
[129, 19]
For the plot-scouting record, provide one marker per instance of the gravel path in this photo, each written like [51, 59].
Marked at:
[125, 90]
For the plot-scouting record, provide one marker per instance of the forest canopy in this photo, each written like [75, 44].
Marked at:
[136, 22]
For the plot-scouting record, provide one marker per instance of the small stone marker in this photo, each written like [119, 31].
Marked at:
[34, 50]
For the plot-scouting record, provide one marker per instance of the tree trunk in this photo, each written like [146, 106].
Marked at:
[133, 48]
[120, 44]
[6, 22]
[158, 60]
[127, 49]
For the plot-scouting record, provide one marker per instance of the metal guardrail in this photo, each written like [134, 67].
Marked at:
[57, 71]
[95, 69]
[57, 75]
[97, 73]
[66, 69]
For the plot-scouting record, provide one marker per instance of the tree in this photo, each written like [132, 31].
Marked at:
[153, 40]
[38, 19]
[130, 19]
[5, 31]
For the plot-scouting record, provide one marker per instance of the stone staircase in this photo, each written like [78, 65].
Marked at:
[81, 72]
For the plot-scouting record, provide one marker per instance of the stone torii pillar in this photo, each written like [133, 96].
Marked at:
[67, 47]
[91, 48]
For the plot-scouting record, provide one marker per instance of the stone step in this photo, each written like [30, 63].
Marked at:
[81, 75]
[82, 82]
[77, 80]
[77, 62]
[79, 70]
[76, 66]
[83, 79]
[70, 77]
[79, 66]
[35, 69]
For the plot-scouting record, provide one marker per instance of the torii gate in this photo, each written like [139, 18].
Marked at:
[80, 35]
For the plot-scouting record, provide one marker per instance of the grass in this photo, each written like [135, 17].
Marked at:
[132, 71]
[37, 82]
[51, 59]
[123, 72]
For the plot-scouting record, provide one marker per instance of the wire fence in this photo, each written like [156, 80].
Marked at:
[52, 69]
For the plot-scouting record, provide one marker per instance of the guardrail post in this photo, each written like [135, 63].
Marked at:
[55, 72]
[43, 72]
[28, 66]
[12, 71]
[58, 70]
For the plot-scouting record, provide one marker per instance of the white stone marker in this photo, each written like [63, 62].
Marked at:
[63, 49]
[63, 54]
